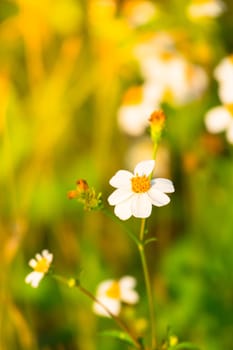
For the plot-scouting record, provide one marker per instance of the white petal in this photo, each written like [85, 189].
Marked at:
[38, 257]
[121, 179]
[217, 119]
[112, 305]
[127, 282]
[119, 195]
[32, 263]
[141, 205]
[225, 92]
[128, 295]
[103, 287]
[230, 133]
[163, 185]
[123, 209]
[34, 278]
[48, 256]
[144, 168]
[157, 197]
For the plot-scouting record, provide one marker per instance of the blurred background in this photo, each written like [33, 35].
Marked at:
[78, 81]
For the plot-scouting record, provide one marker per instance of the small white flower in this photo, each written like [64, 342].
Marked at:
[220, 119]
[40, 266]
[136, 193]
[112, 293]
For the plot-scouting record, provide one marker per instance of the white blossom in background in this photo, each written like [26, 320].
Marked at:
[139, 12]
[177, 80]
[205, 8]
[223, 73]
[40, 266]
[137, 105]
[186, 81]
[219, 119]
[112, 293]
[136, 193]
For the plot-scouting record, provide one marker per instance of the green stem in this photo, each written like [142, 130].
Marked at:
[141, 248]
[74, 283]
[155, 149]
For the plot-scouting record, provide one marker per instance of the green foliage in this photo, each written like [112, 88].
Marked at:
[65, 66]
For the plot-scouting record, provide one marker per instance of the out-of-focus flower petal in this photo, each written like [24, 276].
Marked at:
[217, 119]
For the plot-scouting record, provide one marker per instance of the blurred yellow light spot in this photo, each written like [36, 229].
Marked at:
[114, 291]
[140, 184]
[173, 340]
[133, 96]
[231, 58]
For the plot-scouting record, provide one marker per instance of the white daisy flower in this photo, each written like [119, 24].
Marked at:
[112, 293]
[136, 193]
[40, 265]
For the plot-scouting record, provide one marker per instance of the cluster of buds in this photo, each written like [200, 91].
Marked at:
[86, 195]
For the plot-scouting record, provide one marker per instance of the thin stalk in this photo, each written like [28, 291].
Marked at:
[118, 321]
[141, 249]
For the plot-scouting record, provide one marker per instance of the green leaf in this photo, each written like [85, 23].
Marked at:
[184, 346]
[119, 335]
[147, 241]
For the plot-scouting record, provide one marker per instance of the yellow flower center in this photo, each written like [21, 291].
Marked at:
[231, 58]
[229, 107]
[42, 265]
[140, 184]
[114, 291]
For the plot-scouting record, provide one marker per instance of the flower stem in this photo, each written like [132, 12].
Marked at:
[74, 283]
[141, 248]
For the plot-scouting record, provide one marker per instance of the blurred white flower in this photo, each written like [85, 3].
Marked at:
[139, 12]
[40, 266]
[112, 293]
[223, 73]
[137, 106]
[186, 81]
[205, 8]
[220, 119]
[177, 80]
[136, 193]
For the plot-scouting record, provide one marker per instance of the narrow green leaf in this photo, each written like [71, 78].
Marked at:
[153, 239]
[119, 335]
